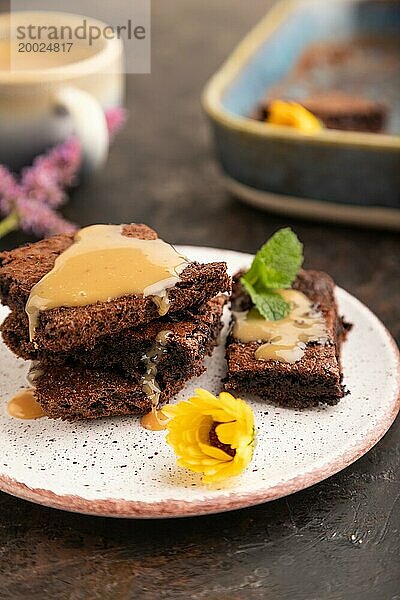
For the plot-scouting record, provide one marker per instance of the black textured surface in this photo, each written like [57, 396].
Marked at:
[338, 540]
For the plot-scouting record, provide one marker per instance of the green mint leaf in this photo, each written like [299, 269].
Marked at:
[274, 267]
[278, 261]
[268, 303]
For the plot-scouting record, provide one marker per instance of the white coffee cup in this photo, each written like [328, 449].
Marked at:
[52, 99]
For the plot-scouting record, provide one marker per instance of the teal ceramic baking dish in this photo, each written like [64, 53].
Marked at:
[336, 175]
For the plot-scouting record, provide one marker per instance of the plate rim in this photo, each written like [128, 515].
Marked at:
[172, 508]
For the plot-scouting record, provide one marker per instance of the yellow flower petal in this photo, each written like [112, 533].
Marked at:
[215, 452]
[189, 428]
[226, 432]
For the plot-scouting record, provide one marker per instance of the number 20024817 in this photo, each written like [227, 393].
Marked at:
[45, 47]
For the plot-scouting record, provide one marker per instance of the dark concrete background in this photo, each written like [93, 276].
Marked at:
[337, 540]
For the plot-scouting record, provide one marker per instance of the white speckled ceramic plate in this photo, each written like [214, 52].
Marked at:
[114, 467]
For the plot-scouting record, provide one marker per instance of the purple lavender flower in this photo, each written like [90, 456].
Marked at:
[115, 119]
[45, 179]
[39, 183]
[30, 203]
[35, 217]
[9, 190]
[64, 161]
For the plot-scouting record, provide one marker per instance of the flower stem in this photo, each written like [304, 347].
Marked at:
[9, 223]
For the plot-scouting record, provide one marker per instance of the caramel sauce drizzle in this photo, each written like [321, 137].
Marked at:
[154, 420]
[286, 339]
[150, 359]
[24, 406]
[102, 265]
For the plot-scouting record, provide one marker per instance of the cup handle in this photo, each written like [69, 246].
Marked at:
[89, 125]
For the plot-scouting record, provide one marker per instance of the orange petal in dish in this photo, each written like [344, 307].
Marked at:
[294, 115]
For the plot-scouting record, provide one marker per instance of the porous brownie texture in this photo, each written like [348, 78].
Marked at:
[66, 328]
[70, 389]
[316, 378]
[191, 334]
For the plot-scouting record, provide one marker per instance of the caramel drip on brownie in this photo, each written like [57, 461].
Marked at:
[286, 339]
[103, 265]
[154, 420]
[149, 380]
[162, 302]
[24, 406]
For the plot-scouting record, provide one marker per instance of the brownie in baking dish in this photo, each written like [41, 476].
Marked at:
[348, 113]
[340, 111]
[314, 379]
[67, 328]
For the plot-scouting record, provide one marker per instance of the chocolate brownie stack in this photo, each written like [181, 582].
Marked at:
[114, 357]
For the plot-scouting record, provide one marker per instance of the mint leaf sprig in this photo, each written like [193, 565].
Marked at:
[274, 267]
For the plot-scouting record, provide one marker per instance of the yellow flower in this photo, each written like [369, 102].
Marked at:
[213, 436]
[292, 114]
